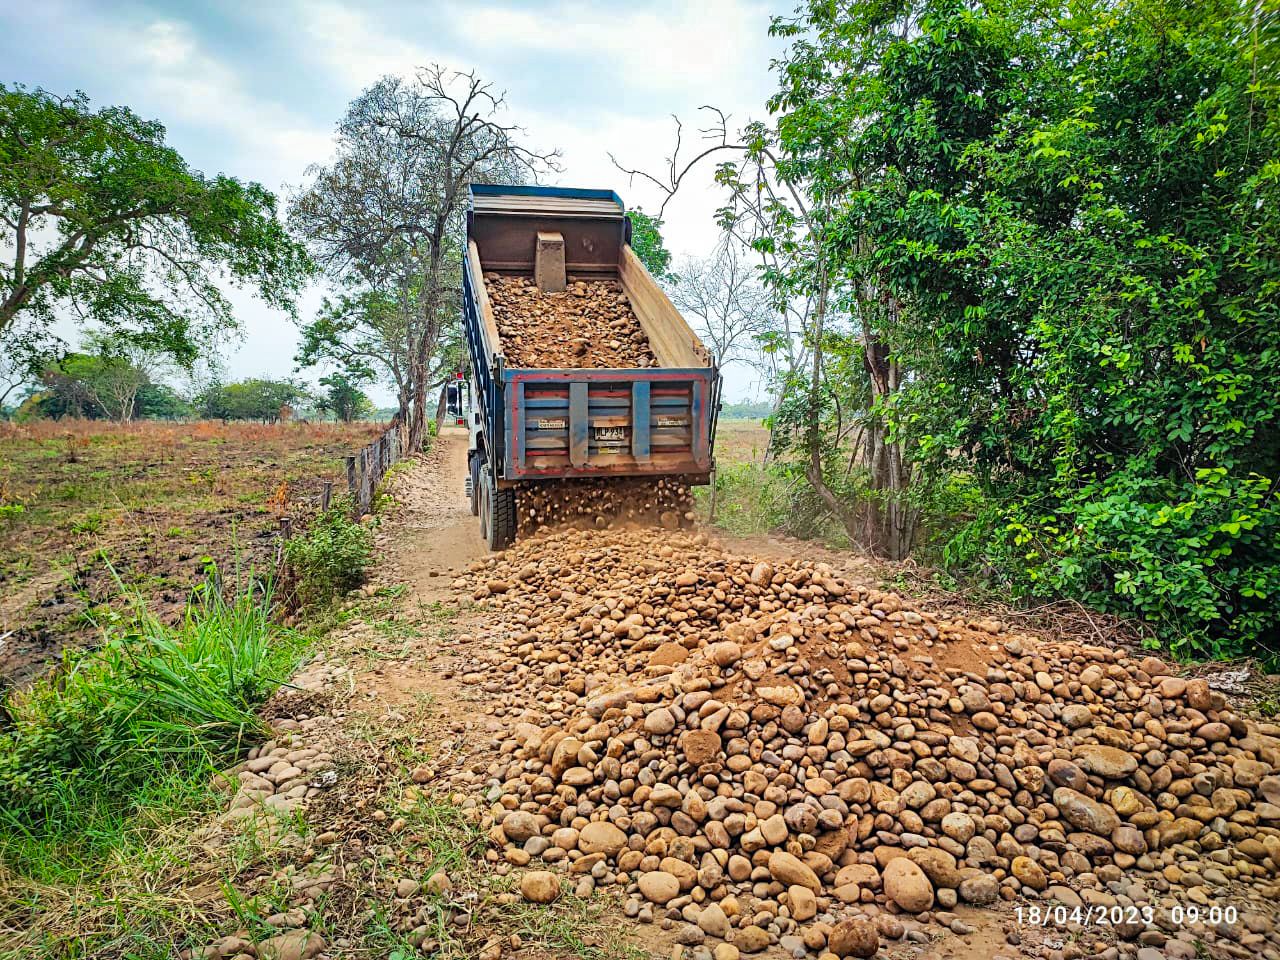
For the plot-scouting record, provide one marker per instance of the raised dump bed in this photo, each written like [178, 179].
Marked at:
[553, 298]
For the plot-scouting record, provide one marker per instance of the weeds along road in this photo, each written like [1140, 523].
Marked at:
[638, 742]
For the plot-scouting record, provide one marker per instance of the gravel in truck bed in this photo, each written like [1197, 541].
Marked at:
[591, 324]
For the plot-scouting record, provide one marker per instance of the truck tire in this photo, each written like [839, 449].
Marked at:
[497, 513]
[475, 486]
[502, 521]
[485, 510]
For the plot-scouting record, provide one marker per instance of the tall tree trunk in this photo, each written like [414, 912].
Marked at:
[418, 415]
[426, 345]
[893, 522]
[813, 429]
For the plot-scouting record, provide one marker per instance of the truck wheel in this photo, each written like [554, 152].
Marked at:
[485, 510]
[475, 486]
[497, 513]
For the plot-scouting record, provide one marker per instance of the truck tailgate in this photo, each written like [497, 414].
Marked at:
[600, 422]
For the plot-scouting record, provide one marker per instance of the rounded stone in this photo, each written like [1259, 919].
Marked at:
[658, 886]
[659, 722]
[979, 889]
[907, 886]
[790, 870]
[1110, 762]
[1083, 813]
[1028, 873]
[519, 826]
[854, 937]
[751, 939]
[540, 886]
[600, 836]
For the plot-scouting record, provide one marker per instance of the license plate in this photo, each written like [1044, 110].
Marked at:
[556, 424]
[609, 433]
[671, 421]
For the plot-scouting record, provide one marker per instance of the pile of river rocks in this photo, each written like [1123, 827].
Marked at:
[766, 753]
[275, 783]
[590, 324]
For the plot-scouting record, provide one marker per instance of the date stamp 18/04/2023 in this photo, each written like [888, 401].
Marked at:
[1177, 915]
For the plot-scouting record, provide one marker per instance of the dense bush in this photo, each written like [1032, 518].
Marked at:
[330, 558]
[753, 499]
[253, 399]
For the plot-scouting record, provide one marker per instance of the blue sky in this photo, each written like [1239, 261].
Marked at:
[254, 89]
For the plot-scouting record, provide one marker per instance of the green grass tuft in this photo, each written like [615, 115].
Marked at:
[140, 723]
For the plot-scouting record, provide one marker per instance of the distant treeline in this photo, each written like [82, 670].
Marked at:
[745, 411]
[119, 387]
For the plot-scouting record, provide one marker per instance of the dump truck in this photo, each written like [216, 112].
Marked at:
[551, 251]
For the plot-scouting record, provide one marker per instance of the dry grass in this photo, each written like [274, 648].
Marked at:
[741, 441]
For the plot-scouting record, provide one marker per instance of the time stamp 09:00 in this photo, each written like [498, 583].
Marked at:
[1057, 915]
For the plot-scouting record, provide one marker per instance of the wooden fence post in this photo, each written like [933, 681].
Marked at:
[370, 478]
[366, 469]
[286, 534]
[362, 500]
[326, 496]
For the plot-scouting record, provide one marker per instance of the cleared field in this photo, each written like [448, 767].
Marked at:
[741, 441]
[91, 513]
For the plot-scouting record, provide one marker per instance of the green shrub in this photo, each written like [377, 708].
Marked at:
[744, 498]
[1199, 561]
[153, 705]
[330, 558]
[754, 499]
[1052, 243]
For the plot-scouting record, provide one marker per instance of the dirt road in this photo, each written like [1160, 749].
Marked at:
[610, 741]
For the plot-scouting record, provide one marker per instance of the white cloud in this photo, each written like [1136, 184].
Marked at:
[675, 49]
[661, 61]
[355, 47]
[271, 143]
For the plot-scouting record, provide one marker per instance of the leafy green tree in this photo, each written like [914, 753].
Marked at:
[65, 390]
[1061, 226]
[385, 214]
[746, 410]
[344, 398]
[647, 242]
[252, 399]
[108, 380]
[364, 333]
[159, 401]
[100, 216]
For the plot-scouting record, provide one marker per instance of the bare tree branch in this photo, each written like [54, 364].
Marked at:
[385, 214]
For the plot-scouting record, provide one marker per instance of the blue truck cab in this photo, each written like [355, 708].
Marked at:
[530, 424]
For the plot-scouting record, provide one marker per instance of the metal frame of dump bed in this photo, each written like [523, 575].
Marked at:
[534, 424]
